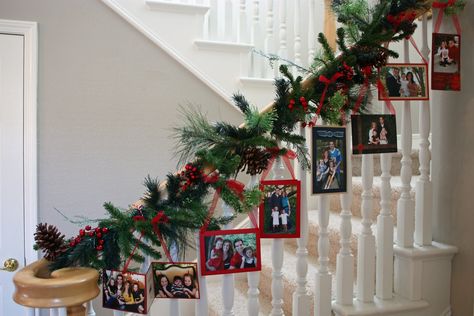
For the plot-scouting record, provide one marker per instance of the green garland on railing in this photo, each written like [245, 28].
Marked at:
[212, 155]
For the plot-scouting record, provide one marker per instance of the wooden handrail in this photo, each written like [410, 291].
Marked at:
[36, 286]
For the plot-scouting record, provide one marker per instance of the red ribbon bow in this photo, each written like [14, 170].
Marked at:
[442, 6]
[327, 82]
[159, 218]
[237, 187]
[367, 71]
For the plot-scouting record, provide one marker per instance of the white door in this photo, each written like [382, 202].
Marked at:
[11, 166]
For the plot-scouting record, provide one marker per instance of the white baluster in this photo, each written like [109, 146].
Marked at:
[405, 205]
[90, 309]
[242, 35]
[212, 20]
[31, 311]
[322, 301]
[202, 305]
[301, 298]
[53, 312]
[424, 189]
[384, 261]
[227, 279]
[229, 21]
[269, 45]
[282, 48]
[311, 31]
[345, 259]
[297, 33]
[255, 37]
[62, 311]
[277, 256]
[253, 278]
[366, 240]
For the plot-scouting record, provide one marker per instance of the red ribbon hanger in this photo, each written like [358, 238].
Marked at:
[289, 155]
[442, 6]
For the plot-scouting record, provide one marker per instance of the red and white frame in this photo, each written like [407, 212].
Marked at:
[383, 95]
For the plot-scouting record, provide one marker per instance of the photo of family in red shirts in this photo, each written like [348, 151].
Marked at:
[446, 62]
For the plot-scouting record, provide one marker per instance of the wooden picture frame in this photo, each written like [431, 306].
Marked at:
[186, 272]
[404, 82]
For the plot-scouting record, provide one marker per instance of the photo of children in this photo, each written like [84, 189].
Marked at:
[176, 280]
[446, 62]
[374, 134]
[230, 251]
[404, 82]
[279, 211]
[124, 291]
[328, 159]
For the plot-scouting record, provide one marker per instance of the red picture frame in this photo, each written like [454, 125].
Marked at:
[274, 191]
[401, 89]
[208, 240]
[446, 74]
[189, 271]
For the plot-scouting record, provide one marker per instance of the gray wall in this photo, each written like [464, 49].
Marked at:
[108, 98]
[453, 170]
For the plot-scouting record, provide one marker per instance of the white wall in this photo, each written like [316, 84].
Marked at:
[453, 170]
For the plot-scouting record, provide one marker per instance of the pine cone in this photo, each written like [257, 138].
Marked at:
[255, 160]
[50, 240]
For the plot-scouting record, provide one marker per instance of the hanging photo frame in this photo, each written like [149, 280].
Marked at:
[280, 209]
[328, 160]
[374, 134]
[230, 251]
[446, 62]
[176, 280]
[403, 82]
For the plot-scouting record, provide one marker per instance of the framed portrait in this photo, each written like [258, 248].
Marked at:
[446, 62]
[404, 82]
[176, 280]
[374, 134]
[230, 251]
[280, 209]
[328, 155]
[127, 291]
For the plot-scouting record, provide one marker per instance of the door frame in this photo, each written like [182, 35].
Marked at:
[29, 31]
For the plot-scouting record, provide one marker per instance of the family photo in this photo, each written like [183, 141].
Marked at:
[328, 159]
[125, 291]
[176, 280]
[446, 61]
[230, 251]
[280, 209]
[404, 82]
[374, 134]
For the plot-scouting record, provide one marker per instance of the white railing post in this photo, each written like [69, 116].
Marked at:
[297, 33]
[90, 309]
[202, 305]
[424, 189]
[269, 45]
[211, 24]
[405, 205]
[322, 299]
[366, 239]
[242, 24]
[253, 278]
[277, 256]
[282, 48]
[345, 259]
[311, 31]
[301, 297]
[227, 279]
[255, 37]
[229, 34]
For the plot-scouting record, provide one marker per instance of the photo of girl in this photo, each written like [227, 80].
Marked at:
[248, 260]
[184, 284]
[446, 62]
[216, 260]
[228, 250]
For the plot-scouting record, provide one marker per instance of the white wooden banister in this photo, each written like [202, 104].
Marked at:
[277, 255]
[253, 278]
[255, 38]
[242, 35]
[424, 188]
[311, 30]
[405, 206]
[282, 47]
[297, 32]
[269, 45]
[301, 298]
[345, 259]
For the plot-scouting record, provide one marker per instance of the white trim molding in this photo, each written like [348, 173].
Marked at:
[177, 7]
[29, 31]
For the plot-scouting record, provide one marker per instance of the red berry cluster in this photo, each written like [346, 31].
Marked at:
[347, 71]
[302, 101]
[190, 175]
[97, 232]
[309, 124]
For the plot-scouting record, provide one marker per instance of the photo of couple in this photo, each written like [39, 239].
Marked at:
[230, 251]
[176, 280]
[446, 62]
[124, 291]
[373, 134]
[329, 159]
[279, 211]
[404, 82]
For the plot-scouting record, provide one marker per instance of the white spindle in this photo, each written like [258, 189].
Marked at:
[277, 256]
[322, 300]
[297, 33]
[424, 189]
[53, 312]
[311, 31]
[405, 205]
[118, 313]
[229, 21]
[31, 311]
[242, 24]
[366, 240]
[301, 298]
[62, 311]
[90, 309]
[269, 45]
[253, 278]
[202, 305]
[255, 37]
[212, 20]
[282, 48]
[345, 259]
[227, 279]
